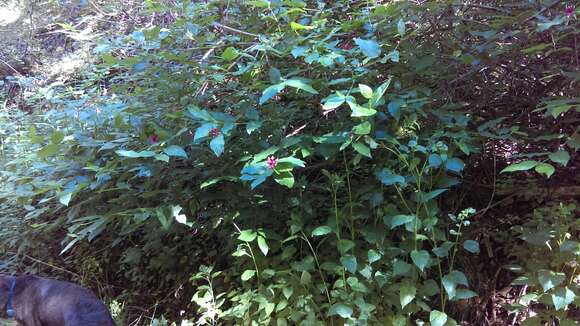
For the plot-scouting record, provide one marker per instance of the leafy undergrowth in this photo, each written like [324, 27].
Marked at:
[302, 162]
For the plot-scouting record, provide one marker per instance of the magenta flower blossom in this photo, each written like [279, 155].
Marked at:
[214, 132]
[154, 138]
[569, 11]
[271, 162]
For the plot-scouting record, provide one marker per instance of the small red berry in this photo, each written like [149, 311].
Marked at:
[154, 138]
[214, 132]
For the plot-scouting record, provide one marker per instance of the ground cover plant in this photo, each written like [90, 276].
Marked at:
[301, 162]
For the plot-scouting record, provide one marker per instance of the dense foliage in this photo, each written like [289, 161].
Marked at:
[310, 162]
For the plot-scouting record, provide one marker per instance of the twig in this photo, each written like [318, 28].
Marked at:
[51, 266]
[231, 29]
[9, 66]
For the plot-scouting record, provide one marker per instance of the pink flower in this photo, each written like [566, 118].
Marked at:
[154, 138]
[569, 11]
[271, 162]
[214, 132]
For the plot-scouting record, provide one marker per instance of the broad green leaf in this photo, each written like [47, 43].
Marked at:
[344, 245]
[298, 27]
[247, 235]
[349, 262]
[394, 108]
[133, 154]
[299, 51]
[562, 297]
[305, 278]
[162, 157]
[340, 309]
[362, 149]
[263, 245]
[359, 111]
[48, 150]
[321, 230]
[203, 130]
[388, 178]
[455, 165]
[545, 168]
[230, 54]
[437, 318]
[175, 150]
[398, 220]
[549, 279]
[521, 166]
[401, 27]
[271, 91]
[462, 294]
[401, 268]
[365, 91]
[423, 198]
[562, 157]
[362, 129]
[435, 160]
[380, 91]
[65, 198]
[57, 137]
[420, 258]
[407, 294]
[369, 48]
[217, 144]
[299, 84]
[472, 246]
[373, 256]
[285, 178]
[248, 274]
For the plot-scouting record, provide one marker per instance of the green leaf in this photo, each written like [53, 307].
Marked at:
[47, 150]
[562, 297]
[340, 309]
[285, 178]
[360, 111]
[562, 157]
[175, 150]
[380, 91]
[133, 154]
[463, 294]
[398, 220]
[437, 318]
[263, 245]
[247, 235]
[298, 27]
[65, 198]
[549, 279]
[407, 293]
[545, 168]
[521, 166]
[203, 130]
[369, 48]
[230, 54]
[248, 274]
[362, 149]
[455, 165]
[420, 258]
[373, 256]
[270, 92]
[299, 84]
[472, 246]
[162, 157]
[321, 230]
[349, 262]
[401, 27]
[57, 137]
[365, 90]
[305, 278]
[435, 160]
[401, 268]
[217, 144]
[362, 129]
[344, 245]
